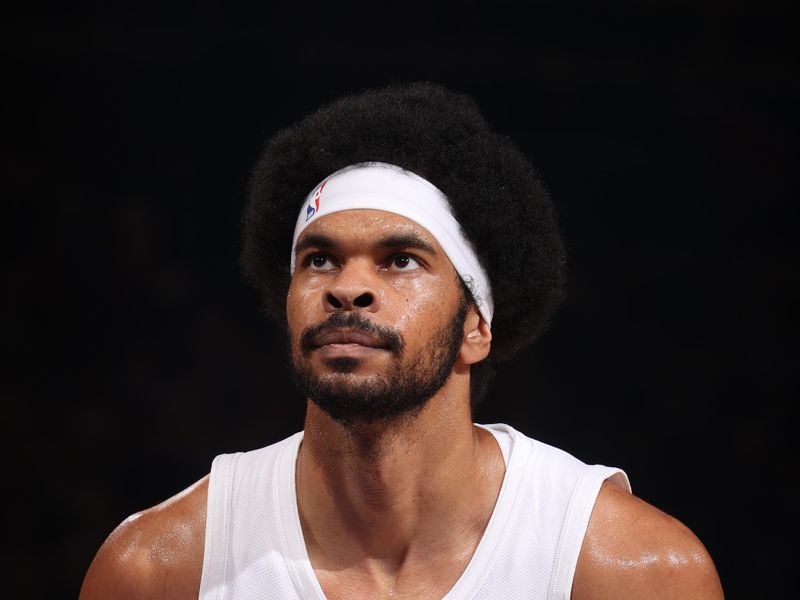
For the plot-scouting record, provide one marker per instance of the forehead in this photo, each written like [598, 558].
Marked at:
[365, 225]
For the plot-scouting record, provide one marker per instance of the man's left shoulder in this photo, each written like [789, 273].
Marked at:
[634, 550]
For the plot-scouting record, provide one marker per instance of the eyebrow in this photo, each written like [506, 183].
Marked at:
[406, 240]
[316, 241]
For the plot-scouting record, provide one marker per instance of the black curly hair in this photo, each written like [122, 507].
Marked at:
[440, 135]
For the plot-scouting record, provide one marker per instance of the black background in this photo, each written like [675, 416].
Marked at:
[666, 132]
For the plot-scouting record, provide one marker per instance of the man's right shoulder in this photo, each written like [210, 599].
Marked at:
[157, 553]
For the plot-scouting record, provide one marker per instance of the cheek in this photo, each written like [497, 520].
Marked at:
[425, 304]
[301, 301]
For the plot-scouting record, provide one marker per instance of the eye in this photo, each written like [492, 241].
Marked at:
[320, 262]
[403, 262]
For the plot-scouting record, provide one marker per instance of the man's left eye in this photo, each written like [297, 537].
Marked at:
[404, 262]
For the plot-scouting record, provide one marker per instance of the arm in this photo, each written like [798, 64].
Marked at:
[155, 554]
[633, 550]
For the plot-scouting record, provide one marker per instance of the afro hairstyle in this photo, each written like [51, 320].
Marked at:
[440, 135]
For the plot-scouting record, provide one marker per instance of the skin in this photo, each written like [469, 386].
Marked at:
[396, 509]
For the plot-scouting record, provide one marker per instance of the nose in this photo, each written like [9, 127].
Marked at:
[354, 288]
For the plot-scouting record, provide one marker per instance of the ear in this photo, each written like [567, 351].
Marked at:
[477, 338]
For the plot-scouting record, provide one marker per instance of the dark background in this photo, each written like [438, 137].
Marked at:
[135, 352]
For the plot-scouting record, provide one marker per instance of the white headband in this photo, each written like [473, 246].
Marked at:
[380, 186]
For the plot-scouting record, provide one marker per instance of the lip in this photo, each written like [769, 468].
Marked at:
[347, 339]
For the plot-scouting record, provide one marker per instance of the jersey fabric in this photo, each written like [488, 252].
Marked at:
[254, 547]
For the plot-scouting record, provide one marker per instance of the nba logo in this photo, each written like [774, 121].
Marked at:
[313, 204]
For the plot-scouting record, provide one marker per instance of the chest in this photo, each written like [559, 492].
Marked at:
[425, 580]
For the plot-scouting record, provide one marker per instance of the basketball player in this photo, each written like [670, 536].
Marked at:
[404, 245]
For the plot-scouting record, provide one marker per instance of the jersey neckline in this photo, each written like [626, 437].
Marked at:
[468, 583]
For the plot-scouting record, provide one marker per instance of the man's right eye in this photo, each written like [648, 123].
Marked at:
[320, 261]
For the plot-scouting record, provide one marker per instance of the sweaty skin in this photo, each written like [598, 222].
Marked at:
[396, 509]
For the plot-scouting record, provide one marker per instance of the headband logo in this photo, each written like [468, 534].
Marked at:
[313, 204]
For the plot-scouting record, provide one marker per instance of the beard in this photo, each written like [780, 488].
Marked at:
[352, 399]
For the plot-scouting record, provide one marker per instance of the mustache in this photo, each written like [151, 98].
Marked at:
[352, 322]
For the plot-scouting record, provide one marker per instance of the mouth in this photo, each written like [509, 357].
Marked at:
[350, 335]
[338, 340]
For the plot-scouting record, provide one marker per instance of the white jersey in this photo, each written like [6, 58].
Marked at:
[254, 546]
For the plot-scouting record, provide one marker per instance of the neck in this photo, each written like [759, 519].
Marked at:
[386, 490]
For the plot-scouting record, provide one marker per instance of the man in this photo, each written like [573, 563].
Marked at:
[404, 244]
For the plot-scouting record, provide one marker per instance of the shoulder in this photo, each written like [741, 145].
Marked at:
[634, 550]
[157, 553]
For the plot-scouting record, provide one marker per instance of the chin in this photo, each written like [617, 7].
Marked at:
[343, 364]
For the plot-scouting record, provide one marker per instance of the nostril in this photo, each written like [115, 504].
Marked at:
[333, 301]
[363, 300]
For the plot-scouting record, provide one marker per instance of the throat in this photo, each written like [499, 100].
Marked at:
[381, 506]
